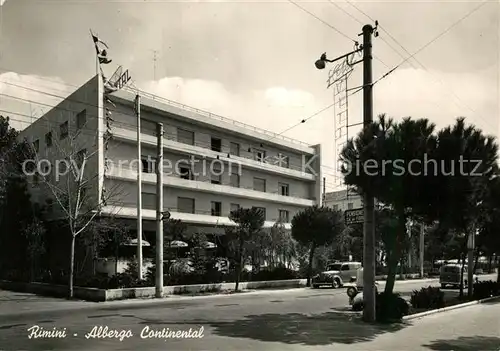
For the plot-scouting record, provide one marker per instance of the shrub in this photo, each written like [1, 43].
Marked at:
[485, 289]
[390, 307]
[428, 298]
[280, 273]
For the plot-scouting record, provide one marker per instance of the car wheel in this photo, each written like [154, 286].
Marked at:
[336, 283]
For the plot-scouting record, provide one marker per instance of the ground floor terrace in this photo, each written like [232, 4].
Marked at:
[215, 245]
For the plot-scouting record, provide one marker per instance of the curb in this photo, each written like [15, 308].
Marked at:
[450, 308]
[136, 303]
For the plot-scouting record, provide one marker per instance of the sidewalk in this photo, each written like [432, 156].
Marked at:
[471, 328]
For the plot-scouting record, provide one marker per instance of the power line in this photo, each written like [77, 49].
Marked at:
[422, 48]
[116, 123]
[322, 21]
[332, 27]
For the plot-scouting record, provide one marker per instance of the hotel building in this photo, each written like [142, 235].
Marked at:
[212, 165]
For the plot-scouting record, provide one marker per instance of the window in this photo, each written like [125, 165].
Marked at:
[185, 136]
[148, 201]
[262, 210]
[283, 160]
[216, 208]
[46, 171]
[215, 175]
[216, 144]
[63, 130]
[48, 139]
[186, 173]
[350, 206]
[345, 267]
[259, 155]
[81, 119]
[80, 156]
[259, 184]
[284, 216]
[36, 145]
[148, 164]
[234, 149]
[235, 180]
[334, 267]
[284, 189]
[234, 207]
[185, 205]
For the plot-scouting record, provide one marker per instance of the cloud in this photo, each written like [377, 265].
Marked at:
[405, 92]
[27, 97]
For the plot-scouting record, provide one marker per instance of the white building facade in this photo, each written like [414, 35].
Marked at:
[212, 165]
[343, 200]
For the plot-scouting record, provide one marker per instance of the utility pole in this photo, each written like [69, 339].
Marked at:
[154, 64]
[159, 211]
[324, 192]
[421, 251]
[139, 187]
[368, 199]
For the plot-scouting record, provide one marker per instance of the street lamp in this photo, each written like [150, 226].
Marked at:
[321, 63]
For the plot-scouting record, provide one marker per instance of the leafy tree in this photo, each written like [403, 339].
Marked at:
[463, 190]
[381, 162]
[249, 223]
[314, 227]
[16, 207]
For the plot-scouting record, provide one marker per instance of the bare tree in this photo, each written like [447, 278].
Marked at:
[73, 186]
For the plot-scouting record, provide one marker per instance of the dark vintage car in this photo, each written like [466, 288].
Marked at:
[336, 275]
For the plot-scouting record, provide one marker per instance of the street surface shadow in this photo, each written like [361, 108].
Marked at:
[466, 343]
[296, 328]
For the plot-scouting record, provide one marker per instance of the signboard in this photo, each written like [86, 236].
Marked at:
[123, 80]
[354, 216]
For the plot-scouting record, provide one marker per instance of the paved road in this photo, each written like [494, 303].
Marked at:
[264, 320]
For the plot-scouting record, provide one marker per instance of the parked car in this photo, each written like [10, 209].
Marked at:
[337, 275]
[449, 274]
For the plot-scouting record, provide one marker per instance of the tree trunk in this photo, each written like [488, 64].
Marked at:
[490, 261]
[476, 261]
[392, 265]
[239, 265]
[71, 266]
[461, 293]
[238, 274]
[310, 267]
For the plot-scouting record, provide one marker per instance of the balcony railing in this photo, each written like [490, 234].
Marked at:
[206, 146]
[215, 116]
[130, 171]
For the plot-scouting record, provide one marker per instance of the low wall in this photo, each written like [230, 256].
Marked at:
[99, 295]
[94, 294]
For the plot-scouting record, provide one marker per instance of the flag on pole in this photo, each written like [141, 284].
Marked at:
[102, 54]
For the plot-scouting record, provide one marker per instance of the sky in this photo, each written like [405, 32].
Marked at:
[253, 61]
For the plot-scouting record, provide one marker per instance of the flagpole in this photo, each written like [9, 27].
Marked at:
[139, 186]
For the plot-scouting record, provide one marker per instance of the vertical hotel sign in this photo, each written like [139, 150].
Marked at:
[337, 78]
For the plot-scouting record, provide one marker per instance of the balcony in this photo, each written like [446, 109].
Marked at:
[197, 116]
[130, 174]
[126, 134]
[129, 211]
